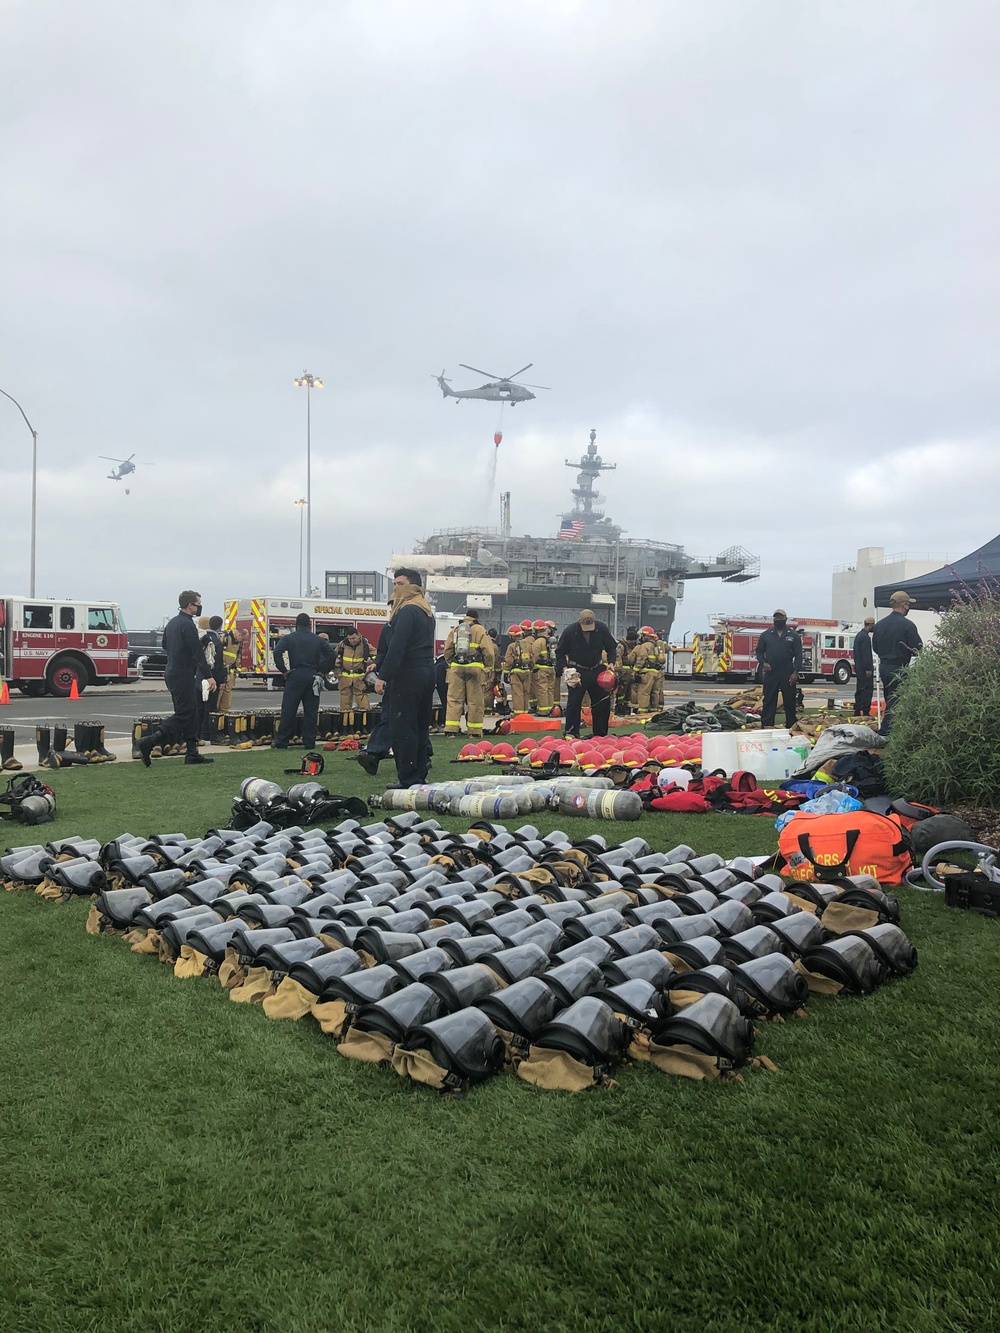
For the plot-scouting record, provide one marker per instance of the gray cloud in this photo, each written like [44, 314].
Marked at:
[753, 245]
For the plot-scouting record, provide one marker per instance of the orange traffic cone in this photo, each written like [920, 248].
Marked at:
[4, 694]
[74, 693]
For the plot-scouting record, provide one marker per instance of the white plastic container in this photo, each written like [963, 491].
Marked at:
[718, 750]
[753, 749]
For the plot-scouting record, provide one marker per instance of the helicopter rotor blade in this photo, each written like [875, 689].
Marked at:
[521, 371]
[108, 459]
[537, 386]
[488, 373]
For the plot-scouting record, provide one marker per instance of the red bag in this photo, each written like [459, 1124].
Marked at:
[859, 843]
[680, 801]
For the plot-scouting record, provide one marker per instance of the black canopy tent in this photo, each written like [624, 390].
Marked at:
[934, 591]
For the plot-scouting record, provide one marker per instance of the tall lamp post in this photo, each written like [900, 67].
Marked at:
[34, 486]
[308, 382]
[302, 506]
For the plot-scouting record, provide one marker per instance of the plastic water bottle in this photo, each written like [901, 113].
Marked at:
[802, 747]
[792, 760]
[775, 765]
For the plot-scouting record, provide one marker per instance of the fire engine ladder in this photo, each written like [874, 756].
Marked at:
[633, 597]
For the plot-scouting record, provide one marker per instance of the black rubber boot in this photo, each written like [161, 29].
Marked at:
[368, 762]
[147, 745]
[43, 740]
[193, 757]
[9, 763]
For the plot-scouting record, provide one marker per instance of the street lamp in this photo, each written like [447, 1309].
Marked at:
[34, 486]
[308, 382]
[303, 505]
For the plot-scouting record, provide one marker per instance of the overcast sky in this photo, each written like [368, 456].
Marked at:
[754, 245]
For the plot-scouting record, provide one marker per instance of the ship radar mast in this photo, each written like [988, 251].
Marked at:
[589, 467]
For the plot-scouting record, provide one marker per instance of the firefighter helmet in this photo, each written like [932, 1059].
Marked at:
[526, 625]
[512, 630]
[539, 624]
[550, 624]
[648, 629]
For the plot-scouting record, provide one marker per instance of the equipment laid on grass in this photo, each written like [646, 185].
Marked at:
[30, 801]
[455, 956]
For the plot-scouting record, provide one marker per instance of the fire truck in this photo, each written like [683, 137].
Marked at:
[48, 644]
[728, 651]
[266, 619]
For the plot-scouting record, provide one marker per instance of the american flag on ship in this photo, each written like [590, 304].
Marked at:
[572, 528]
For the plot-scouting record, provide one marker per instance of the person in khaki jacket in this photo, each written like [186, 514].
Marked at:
[543, 669]
[353, 660]
[657, 661]
[645, 671]
[517, 668]
[470, 655]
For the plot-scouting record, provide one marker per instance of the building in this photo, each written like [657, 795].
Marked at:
[588, 563]
[854, 585]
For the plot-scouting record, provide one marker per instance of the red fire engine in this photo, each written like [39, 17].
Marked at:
[729, 649]
[47, 644]
[266, 619]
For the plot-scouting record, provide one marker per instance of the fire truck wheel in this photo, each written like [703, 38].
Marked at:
[32, 689]
[61, 675]
[842, 673]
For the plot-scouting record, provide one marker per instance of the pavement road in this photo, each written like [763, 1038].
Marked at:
[118, 706]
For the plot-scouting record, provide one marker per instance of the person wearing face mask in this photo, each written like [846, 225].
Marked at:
[186, 669]
[779, 652]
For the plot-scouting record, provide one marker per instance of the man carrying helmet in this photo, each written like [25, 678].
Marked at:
[352, 663]
[470, 656]
[517, 669]
[543, 669]
[588, 647]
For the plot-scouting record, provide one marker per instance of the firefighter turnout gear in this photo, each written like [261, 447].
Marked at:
[517, 668]
[626, 691]
[352, 663]
[231, 648]
[543, 669]
[643, 661]
[657, 662]
[470, 654]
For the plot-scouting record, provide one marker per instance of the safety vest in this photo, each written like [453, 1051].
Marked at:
[354, 660]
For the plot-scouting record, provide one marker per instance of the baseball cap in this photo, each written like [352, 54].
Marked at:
[779, 612]
[587, 618]
[900, 596]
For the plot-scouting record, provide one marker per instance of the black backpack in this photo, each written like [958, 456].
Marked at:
[862, 771]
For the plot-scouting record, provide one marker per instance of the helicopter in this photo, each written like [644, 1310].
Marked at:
[501, 389]
[125, 466]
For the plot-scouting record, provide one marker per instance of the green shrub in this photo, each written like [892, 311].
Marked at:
[944, 747]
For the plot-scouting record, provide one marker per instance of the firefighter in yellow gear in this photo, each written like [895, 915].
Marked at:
[625, 693]
[657, 661]
[517, 669]
[353, 660]
[232, 646]
[543, 669]
[645, 672]
[470, 655]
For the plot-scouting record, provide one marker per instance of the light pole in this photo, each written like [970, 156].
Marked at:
[308, 382]
[302, 505]
[34, 486]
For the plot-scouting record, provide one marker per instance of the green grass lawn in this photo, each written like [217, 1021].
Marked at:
[172, 1161]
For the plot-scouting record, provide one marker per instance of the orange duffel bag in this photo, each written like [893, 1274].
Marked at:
[859, 843]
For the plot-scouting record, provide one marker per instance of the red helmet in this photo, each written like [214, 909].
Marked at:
[648, 629]
[551, 624]
[513, 629]
[606, 679]
[539, 624]
[526, 624]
